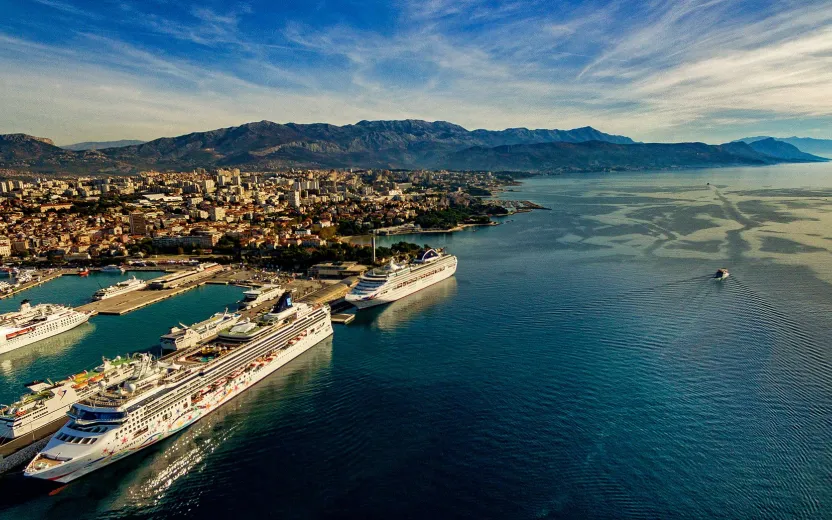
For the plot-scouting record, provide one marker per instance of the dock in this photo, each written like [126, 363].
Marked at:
[129, 302]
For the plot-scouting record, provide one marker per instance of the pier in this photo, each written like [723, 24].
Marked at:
[129, 302]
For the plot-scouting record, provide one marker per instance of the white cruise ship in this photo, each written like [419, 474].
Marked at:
[31, 324]
[257, 296]
[113, 269]
[48, 402]
[394, 281]
[126, 286]
[165, 396]
[184, 337]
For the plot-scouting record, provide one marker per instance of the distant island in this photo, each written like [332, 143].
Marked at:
[407, 144]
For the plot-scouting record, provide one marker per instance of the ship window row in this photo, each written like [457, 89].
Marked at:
[76, 440]
[91, 429]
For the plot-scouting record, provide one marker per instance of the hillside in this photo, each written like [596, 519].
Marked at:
[371, 144]
[28, 153]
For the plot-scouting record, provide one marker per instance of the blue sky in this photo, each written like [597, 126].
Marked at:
[655, 70]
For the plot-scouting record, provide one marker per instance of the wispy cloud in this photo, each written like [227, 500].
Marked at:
[660, 70]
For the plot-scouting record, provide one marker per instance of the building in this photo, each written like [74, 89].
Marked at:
[201, 241]
[138, 223]
[336, 270]
[5, 247]
[217, 213]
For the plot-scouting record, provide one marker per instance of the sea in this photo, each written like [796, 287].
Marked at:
[583, 363]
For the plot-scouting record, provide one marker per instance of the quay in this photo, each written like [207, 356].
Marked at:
[129, 302]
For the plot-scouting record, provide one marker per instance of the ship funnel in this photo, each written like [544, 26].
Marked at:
[284, 303]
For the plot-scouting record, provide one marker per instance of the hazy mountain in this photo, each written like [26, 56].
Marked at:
[387, 144]
[94, 145]
[781, 150]
[597, 155]
[822, 147]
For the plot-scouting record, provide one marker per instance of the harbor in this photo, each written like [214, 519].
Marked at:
[20, 450]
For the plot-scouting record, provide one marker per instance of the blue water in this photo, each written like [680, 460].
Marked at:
[570, 370]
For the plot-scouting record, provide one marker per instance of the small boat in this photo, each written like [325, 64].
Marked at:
[83, 271]
[721, 274]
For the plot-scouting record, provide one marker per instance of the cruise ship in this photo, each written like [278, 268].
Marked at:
[31, 324]
[185, 337]
[167, 395]
[393, 281]
[126, 286]
[257, 296]
[113, 269]
[48, 402]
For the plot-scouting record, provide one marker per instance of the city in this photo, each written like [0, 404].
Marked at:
[78, 220]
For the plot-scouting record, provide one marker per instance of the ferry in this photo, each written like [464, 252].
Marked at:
[48, 402]
[31, 324]
[113, 269]
[185, 337]
[133, 284]
[721, 274]
[255, 297]
[165, 396]
[394, 281]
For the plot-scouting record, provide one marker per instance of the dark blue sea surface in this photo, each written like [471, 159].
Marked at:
[581, 364]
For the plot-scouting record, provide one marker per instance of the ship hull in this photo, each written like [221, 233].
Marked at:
[407, 290]
[120, 448]
[37, 335]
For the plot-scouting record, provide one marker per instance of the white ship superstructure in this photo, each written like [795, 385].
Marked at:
[254, 297]
[394, 281]
[34, 323]
[169, 394]
[48, 402]
[185, 337]
[126, 286]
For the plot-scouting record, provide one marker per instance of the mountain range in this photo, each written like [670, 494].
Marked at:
[822, 147]
[99, 145]
[388, 144]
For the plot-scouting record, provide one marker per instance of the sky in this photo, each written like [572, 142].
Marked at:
[654, 70]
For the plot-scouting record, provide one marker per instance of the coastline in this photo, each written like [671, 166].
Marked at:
[365, 239]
